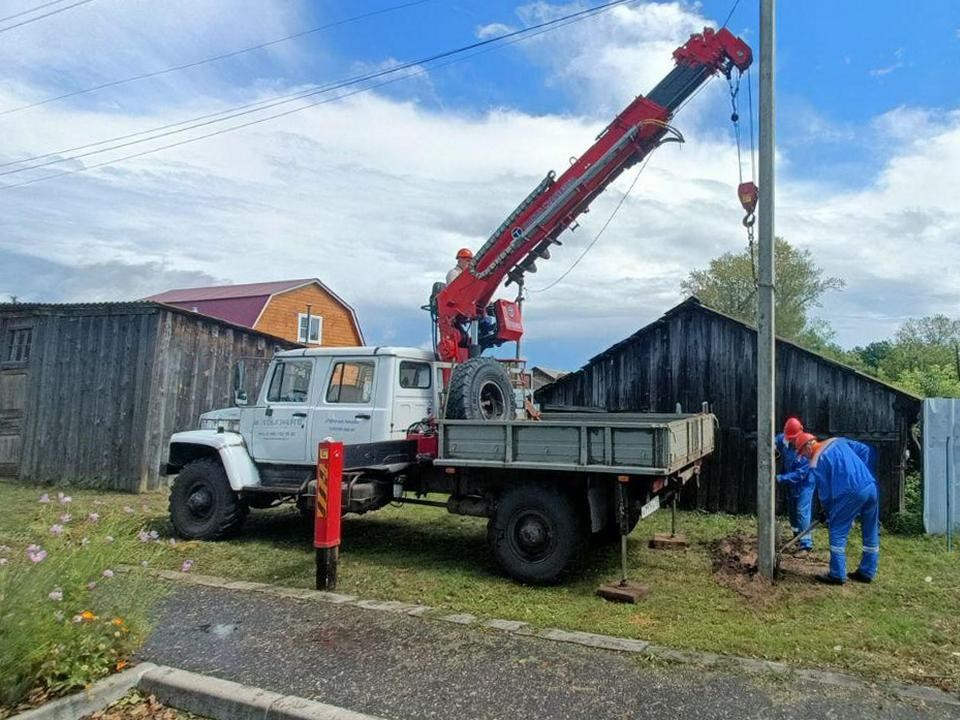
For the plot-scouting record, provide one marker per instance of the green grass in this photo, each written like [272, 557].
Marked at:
[900, 627]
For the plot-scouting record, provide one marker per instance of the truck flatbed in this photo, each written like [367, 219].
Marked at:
[615, 443]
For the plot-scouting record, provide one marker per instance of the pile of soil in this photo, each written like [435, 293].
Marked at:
[735, 566]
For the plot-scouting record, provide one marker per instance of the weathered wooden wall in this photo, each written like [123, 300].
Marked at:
[106, 384]
[193, 373]
[695, 355]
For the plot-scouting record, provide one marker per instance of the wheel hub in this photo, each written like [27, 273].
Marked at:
[532, 536]
[200, 502]
[492, 402]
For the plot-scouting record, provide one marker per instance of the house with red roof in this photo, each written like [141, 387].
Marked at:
[304, 311]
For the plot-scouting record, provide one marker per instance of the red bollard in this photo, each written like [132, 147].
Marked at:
[326, 520]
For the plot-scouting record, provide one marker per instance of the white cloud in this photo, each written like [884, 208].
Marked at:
[490, 30]
[375, 194]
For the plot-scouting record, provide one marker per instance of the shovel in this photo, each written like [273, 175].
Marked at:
[792, 541]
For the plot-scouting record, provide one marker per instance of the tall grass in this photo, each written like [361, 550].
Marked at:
[68, 616]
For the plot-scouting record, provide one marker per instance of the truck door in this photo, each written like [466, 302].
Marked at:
[347, 409]
[413, 395]
[279, 429]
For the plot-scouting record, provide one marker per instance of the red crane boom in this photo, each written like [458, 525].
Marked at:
[460, 309]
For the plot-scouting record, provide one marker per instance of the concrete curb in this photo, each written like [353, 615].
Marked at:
[904, 691]
[94, 698]
[226, 700]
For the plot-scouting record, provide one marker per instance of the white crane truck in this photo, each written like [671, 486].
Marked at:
[419, 423]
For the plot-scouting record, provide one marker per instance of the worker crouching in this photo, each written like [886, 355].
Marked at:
[847, 490]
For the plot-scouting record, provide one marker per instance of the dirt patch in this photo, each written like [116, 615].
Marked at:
[735, 566]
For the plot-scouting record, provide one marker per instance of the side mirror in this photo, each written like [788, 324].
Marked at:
[239, 383]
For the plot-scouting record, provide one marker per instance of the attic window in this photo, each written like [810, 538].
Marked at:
[18, 349]
[316, 329]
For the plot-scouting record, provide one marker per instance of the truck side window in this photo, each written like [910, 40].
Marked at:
[290, 382]
[351, 382]
[414, 375]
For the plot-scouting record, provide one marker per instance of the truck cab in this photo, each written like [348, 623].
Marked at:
[355, 395]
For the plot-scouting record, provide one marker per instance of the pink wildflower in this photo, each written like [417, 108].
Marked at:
[65, 518]
[146, 537]
[108, 573]
[36, 553]
[187, 564]
[64, 499]
[56, 595]
[93, 517]
[44, 499]
[56, 530]
[91, 585]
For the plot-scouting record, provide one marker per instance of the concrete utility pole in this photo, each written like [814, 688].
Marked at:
[766, 277]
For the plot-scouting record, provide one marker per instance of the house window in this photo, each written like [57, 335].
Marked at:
[290, 382]
[351, 382]
[18, 349]
[414, 375]
[316, 329]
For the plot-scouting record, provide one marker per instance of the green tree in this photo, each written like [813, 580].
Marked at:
[930, 381]
[728, 284]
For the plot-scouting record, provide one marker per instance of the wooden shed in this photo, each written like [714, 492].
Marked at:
[90, 393]
[694, 354]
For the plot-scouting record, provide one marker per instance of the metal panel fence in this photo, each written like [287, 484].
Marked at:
[941, 490]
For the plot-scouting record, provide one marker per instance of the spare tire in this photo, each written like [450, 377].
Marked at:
[480, 390]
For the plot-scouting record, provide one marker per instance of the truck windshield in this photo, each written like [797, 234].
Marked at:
[290, 382]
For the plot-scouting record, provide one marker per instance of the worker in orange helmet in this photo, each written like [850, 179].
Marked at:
[847, 490]
[791, 428]
[464, 256]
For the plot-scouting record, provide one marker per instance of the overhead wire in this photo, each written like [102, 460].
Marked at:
[45, 15]
[504, 39]
[214, 58]
[31, 10]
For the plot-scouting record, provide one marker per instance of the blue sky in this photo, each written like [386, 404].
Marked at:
[374, 194]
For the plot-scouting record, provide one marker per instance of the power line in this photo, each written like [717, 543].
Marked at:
[419, 71]
[31, 10]
[45, 15]
[215, 58]
[730, 14]
[506, 38]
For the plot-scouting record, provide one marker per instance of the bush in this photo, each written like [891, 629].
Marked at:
[67, 615]
[910, 521]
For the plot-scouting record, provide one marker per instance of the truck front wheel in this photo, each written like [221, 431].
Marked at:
[536, 533]
[203, 506]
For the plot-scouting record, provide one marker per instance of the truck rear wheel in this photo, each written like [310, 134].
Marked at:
[480, 390]
[536, 533]
[203, 506]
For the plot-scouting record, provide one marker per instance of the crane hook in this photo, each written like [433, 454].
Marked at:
[749, 194]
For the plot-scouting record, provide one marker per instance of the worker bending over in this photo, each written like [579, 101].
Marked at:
[847, 490]
[800, 487]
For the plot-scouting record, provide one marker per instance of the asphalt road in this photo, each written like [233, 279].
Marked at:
[397, 666]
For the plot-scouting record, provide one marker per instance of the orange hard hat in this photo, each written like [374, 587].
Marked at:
[801, 439]
[464, 254]
[791, 428]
